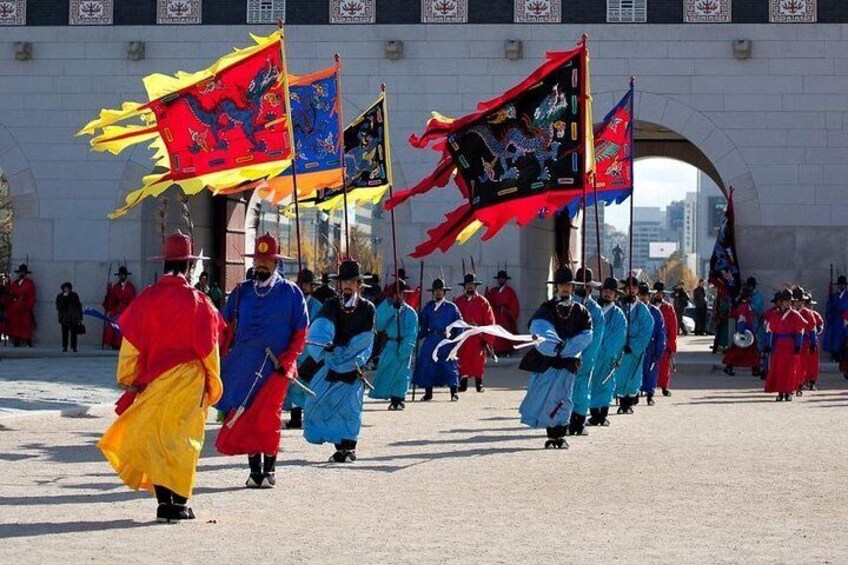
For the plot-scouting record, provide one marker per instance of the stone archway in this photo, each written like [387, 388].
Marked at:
[684, 133]
[26, 241]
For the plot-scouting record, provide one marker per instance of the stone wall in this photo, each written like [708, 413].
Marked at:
[773, 127]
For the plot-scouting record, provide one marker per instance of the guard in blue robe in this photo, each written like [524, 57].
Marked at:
[757, 303]
[399, 322]
[602, 385]
[834, 325]
[583, 293]
[296, 398]
[640, 328]
[566, 327]
[338, 346]
[266, 313]
[437, 315]
[656, 346]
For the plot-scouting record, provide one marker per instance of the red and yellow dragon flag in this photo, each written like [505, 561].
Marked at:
[522, 156]
[223, 126]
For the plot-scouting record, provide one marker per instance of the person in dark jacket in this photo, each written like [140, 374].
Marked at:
[69, 308]
[700, 296]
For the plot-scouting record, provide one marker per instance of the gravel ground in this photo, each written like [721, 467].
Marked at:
[718, 473]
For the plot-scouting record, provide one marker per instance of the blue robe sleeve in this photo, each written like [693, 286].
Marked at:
[575, 345]
[408, 327]
[385, 314]
[615, 332]
[757, 303]
[814, 338]
[799, 339]
[355, 354]
[642, 328]
[741, 326]
[322, 331]
[550, 347]
[659, 334]
[228, 312]
[300, 315]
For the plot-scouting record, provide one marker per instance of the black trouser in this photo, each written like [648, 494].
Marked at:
[701, 320]
[167, 496]
[72, 329]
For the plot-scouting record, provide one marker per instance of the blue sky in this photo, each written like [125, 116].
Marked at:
[658, 182]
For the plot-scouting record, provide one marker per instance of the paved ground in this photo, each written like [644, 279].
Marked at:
[718, 473]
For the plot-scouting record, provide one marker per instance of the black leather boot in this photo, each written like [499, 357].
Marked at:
[269, 469]
[255, 477]
[463, 384]
[296, 421]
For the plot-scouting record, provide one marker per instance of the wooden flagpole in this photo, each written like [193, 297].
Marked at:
[294, 161]
[632, 177]
[342, 152]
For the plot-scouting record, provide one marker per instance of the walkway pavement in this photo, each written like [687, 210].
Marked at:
[717, 473]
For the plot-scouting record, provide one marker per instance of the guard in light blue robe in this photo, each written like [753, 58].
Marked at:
[400, 323]
[654, 351]
[640, 328]
[566, 327]
[580, 396]
[339, 344]
[602, 385]
[295, 398]
[435, 318]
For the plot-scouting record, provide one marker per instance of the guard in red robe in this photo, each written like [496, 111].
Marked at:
[477, 311]
[5, 301]
[749, 356]
[810, 339]
[785, 332]
[670, 318]
[504, 302]
[118, 298]
[20, 314]
[815, 341]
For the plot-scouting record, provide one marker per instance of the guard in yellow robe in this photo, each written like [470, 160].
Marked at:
[170, 367]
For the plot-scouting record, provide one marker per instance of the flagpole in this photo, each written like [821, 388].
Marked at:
[290, 128]
[597, 226]
[583, 229]
[342, 150]
[632, 178]
[389, 176]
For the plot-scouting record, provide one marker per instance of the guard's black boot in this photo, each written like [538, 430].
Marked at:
[479, 384]
[577, 425]
[454, 395]
[269, 469]
[604, 413]
[463, 384]
[631, 401]
[728, 370]
[650, 397]
[779, 398]
[163, 495]
[595, 417]
[622, 405]
[551, 441]
[428, 395]
[558, 433]
[666, 392]
[296, 421]
[788, 397]
[255, 477]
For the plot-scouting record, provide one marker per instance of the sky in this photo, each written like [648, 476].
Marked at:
[659, 182]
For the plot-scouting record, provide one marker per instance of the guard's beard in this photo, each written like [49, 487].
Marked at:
[604, 301]
[263, 276]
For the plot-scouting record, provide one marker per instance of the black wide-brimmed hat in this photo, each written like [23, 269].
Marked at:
[122, 270]
[841, 280]
[629, 281]
[808, 298]
[644, 289]
[752, 281]
[470, 278]
[349, 270]
[502, 275]
[24, 268]
[610, 283]
[401, 274]
[584, 276]
[439, 284]
[659, 286]
[563, 275]
[305, 276]
[782, 295]
[798, 293]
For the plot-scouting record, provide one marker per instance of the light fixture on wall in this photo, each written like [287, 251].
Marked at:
[394, 50]
[514, 49]
[742, 49]
[135, 50]
[23, 50]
